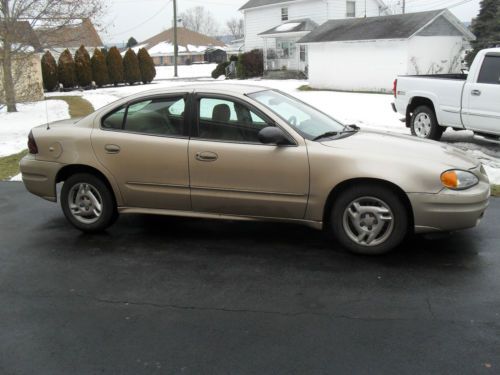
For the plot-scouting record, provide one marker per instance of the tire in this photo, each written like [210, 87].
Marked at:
[79, 194]
[424, 124]
[364, 211]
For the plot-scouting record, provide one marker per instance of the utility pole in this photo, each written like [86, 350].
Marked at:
[176, 48]
[404, 6]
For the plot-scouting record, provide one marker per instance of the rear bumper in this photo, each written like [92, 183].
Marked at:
[393, 105]
[450, 210]
[39, 177]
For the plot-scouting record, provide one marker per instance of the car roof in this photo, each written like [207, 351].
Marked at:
[222, 88]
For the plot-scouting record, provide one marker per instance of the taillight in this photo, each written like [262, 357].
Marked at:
[395, 88]
[32, 147]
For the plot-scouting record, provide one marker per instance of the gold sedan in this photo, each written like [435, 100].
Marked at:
[248, 153]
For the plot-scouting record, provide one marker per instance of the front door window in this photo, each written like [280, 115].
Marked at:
[227, 120]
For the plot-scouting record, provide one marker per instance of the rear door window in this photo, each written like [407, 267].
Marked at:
[155, 116]
[164, 116]
[115, 119]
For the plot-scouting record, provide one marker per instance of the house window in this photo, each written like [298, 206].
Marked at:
[286, 49]
[284, 14]
[350, 9]
[302, 53]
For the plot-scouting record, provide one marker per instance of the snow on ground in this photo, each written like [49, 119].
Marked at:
[15, 127]
[371, 111]
[98, 99]
[185, 71]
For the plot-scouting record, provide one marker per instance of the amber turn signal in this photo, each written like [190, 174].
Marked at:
[450, 179]
[458, 180]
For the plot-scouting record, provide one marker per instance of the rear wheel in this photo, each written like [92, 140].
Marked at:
[88, 203]
[424, 124]
[369, 220]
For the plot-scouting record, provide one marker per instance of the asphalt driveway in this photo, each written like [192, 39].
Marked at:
[164, 295]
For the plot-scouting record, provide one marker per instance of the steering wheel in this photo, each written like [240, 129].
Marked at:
[293, 121]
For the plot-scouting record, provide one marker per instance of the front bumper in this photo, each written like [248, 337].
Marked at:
[450, 210]
[39, 177]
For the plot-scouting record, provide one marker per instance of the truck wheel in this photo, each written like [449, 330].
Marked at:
[369, 220]
[88, 203]
[424, 124]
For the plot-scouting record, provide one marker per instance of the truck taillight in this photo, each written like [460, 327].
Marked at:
[395, 88]
[32, 147]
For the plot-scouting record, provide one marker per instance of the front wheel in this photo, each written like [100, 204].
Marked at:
[369, 220]
[424, 124]
[88, 203]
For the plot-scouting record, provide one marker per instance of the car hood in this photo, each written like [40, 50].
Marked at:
[404, 146]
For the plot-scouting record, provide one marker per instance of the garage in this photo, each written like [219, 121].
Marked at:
[366, 54]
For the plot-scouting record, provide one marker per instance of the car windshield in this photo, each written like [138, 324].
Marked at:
[306, 120]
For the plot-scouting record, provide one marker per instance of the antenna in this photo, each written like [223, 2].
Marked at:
[47, 113]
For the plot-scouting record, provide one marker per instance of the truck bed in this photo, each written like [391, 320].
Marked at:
[454, 76]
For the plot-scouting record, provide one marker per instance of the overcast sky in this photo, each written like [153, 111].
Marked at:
[145, 18]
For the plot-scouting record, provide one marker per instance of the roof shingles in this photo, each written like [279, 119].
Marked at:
[70, 36]
[401, 26]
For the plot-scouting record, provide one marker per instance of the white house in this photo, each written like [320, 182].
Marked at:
[367, 54]
[276, 25]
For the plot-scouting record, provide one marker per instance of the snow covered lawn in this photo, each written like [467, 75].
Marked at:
[185, 71]
[371, 111]
[15, 127]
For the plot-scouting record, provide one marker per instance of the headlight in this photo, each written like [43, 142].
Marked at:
[458, 180]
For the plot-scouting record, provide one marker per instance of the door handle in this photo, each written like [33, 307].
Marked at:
[476, 92]
[112, 149]
[206, 156]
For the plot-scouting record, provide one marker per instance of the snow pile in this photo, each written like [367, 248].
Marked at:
[491, 165]
[15, 127]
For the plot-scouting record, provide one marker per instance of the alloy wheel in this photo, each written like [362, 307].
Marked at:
[85, 203]
[368, 221]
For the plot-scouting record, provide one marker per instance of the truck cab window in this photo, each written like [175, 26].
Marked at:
[490, 71]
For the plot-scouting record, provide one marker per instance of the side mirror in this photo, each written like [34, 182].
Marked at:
[273, 135]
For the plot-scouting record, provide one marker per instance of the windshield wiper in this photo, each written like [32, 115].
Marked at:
[349, 129]
[326, 135]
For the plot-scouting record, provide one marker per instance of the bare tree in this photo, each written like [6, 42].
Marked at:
[14, 42]
[200, 20]
[236, 27]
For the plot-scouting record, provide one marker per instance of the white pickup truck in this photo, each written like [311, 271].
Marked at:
[430, 103]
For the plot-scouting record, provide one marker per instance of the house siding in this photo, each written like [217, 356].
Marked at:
[357, 66]
[435, 54]
[373, 65]
[258, 20]
[337, 9]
